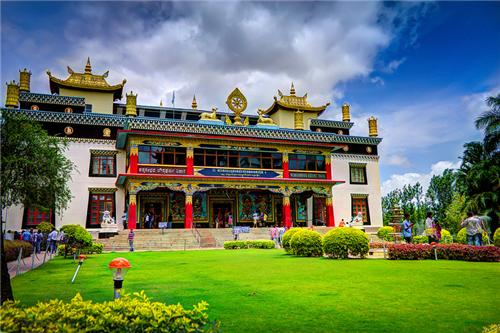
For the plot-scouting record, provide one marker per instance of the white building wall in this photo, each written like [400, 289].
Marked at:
[79, 152]
[342, 192]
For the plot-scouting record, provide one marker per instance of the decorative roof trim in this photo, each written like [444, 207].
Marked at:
[101, 152]
[359, 195]
[88, 140]
[331, 123]
[98, 190]
[51, 99]
[359, 165]
[354, 157]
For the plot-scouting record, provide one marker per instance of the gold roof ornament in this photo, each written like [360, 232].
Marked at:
[86, 81]
[372, 126]
[12, 97]
[264, 120]
[131, 106]
[346, 114]
[24, 80]
[293, 103]
[228, 121]
[161, 102]
[194, 104]
[246, 122]
[237, 102]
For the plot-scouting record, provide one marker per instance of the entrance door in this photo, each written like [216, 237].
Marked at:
[220, 214]
[156, 208]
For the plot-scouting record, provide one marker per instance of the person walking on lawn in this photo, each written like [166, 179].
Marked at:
[407, 229]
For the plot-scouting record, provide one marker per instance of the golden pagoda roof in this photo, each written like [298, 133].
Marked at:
[294, 102]
[86, 81]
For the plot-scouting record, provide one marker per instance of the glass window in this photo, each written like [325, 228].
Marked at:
[102, 165]
[361, 205]
[35, 216]
[358, 174]
[98, 204]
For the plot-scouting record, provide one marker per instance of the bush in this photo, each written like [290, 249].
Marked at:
[94, 248]
[287, 237]
[342, 242]
[45, 227]
[385, 233]
[249, 244]
[462, 237]
[307, 243]
[420, 239]
[76, 236]
[12, 249]
[446, 237]
[496, 237]
[447, 252]
[130, 314]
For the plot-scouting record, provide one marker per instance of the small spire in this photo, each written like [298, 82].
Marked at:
[292, 90]
[194, 105]
[88, 67]
[161, 102]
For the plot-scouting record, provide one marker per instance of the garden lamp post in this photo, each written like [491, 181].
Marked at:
[119, 267]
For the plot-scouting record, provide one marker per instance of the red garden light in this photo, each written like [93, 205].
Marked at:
[119, 267]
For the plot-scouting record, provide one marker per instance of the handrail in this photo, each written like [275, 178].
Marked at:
[196, 234]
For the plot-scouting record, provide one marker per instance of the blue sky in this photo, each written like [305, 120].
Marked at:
[423, 69]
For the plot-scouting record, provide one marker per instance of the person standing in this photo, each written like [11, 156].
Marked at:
[230, 220]
[131, 236]
[124, 219]
[52, 240]
[169, 221]
[26, 236]
[281, 232]
[473, 229]
[255, 219]
[407, 229]
[430, 228]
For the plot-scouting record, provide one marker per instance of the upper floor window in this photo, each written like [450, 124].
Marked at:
[162, 155]
[88, 108]
[237, 159]
[35, 216]
[358, 173]
[306, 162]
[102, 164]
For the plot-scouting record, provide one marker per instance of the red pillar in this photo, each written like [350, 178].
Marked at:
[287, 212]
[132, 212]
[134, 159]
[188, 221]
[330, 222]
[286, 172]
[189, 161]
[328, 166]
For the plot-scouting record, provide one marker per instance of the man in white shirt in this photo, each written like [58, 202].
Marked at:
[52, 241]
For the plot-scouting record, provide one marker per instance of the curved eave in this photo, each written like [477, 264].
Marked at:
[123, 177]
[331, 123]
[56, 83]
[315, 109]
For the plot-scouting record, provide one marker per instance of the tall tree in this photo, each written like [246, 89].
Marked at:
[440, 193]
[490, 122]
[34, 173]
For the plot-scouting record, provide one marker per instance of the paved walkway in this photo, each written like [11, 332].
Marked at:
[27, 263]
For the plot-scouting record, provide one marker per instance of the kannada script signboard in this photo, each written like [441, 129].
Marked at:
[158, 170]
[238, 173]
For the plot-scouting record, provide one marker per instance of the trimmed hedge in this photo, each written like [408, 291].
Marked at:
[462, 237]
[384, 233]
[76, 235]
[94, 248]
[307, 243]
[45, 227]
[448, 252]
[342, 242]
[287, 237]
[12, 249]
[446, 238]
[249, 244]
[496, 237]
[127, 314]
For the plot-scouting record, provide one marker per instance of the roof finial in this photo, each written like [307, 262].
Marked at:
[194, 105]
[161, 102]
[292, 90]
[88, 67]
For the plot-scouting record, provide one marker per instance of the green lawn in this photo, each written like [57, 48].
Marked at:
[268, 291]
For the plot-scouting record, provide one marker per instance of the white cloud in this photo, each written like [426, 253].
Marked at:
[411, 178]
[377, 80]
[393, 65]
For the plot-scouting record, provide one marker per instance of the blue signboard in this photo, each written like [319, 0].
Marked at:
[238, 173]
[240, 230]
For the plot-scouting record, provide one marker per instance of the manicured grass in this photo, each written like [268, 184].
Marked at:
[268, 291]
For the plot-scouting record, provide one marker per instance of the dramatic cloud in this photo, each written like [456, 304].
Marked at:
[207, 48]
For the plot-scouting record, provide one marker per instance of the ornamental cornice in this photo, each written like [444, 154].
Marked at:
[355, 157]
[51, 99]
[102, 152]
[88, 140]
[331, 123]
[99, 190]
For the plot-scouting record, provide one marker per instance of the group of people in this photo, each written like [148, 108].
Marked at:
[259, 217]
[474, 227]
[276, 234]
[36, 238]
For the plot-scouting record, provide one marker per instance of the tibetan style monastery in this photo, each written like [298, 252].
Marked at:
[196, 166]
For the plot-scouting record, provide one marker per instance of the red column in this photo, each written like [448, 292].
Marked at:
[188, 221]
[189, 161]
[330, 222]
[286, 172]
[328, 166]
[134, 159]
[132, 212]
[287, 211]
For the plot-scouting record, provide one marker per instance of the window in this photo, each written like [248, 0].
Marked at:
[102, 163]
[35, 216]
[88, 108]
[237, 159]
[98, 203]
[358, 173]
[360, 204]
[305, 162]
[162, 155]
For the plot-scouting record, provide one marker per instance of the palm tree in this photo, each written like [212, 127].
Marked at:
[490, 122]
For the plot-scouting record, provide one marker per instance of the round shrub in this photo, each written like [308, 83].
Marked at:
[385, 233]
[446, 237]
[420, 239]
[76, 236]
[342, 242]
[307, 243]
[45, 227]
[496, 237]
[462, 237]
[287, 237]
